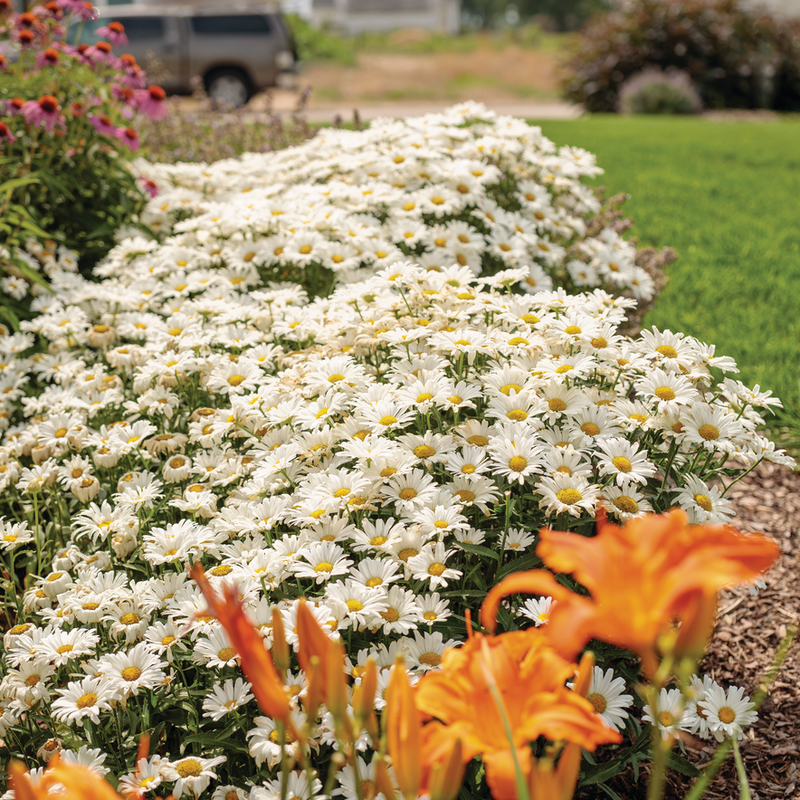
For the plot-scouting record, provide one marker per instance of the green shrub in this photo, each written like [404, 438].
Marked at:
[655, 92]
[319, 44]
[736, 55]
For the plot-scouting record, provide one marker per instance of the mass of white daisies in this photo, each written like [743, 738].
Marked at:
[464, 187]
[388, 452]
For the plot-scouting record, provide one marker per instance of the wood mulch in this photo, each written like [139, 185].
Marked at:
[748, 633]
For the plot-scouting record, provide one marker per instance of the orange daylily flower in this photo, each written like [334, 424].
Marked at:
[256, 660]
[402, 725]
[78, 782]
[641, 579]
[529, 677]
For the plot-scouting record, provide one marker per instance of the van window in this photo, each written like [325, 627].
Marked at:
[139, 29]
[231, 25]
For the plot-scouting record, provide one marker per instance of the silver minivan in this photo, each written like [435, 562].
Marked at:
[237, 52]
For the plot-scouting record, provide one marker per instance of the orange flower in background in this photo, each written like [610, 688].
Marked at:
[78, 782]
[529, 677]
[255, 658]
[641, 578]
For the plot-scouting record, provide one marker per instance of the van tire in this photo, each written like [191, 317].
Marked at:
[228, 86]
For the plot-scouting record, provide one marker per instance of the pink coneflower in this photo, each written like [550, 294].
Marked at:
[81, 8]
[26, 37]
[114, 32]
[7, 136]
[130, 137]
[27, 19]
[134, 76]
[151, 101]
[3, 63]
[48, 58]
[100, 53]
[14, 106]
[5, 6]
[151, 187]
[77, 109]
[54, 9]
[45, 111]
[103, 125]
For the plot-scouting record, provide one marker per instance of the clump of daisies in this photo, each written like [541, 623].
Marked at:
[464, 187]
[389, 453]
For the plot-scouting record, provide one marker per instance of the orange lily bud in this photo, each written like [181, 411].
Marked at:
[313, 698]
[313, 640]
[584, 677]
[697, 627]
[80, 783]
[280, 649]
[256, 661]
[402, 728]
[364, 700]
[383, 780]
[446, 777]
[336, 690]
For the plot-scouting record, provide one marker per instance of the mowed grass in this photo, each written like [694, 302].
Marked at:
[727, 197]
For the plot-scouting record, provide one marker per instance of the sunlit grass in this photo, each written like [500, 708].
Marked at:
[725, 195]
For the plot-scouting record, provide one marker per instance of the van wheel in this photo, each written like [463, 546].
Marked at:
[228, 86]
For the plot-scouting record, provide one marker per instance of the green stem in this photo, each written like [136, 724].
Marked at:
[744, 785]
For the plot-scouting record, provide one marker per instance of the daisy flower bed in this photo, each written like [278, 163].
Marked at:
[388, 453]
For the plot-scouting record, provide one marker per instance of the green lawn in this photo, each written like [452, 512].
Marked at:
[727, 197]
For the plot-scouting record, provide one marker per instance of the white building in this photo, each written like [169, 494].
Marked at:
[356, 16]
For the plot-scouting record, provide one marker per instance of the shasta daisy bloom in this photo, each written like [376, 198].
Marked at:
[568, 494]
[567, 461]
[82, 699]
[624, 461]
[128, 672]
[425, 650]
[191, 774]
[727, 712]
[704, 503]
[537, 610]
[355, 602]
[695, 718]
[145, 778]
[711, 426]
[440, 520]
[401, 614]
[14, 534]
[515, 460]
[323, 561]
[410, 491]
[225, 698]
[468, 461]
[60, 647]
[626, 501]
[515, 407]
[375, 573]
[264, 743]
[607, 696]
[561, 400]
[518, 539]
[669, 713]
[385, 415]
[668, 390]
[430, 565]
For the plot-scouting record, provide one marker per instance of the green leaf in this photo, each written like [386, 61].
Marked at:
[220, 739]
[528, 561]
[478, 550]
[682, 765]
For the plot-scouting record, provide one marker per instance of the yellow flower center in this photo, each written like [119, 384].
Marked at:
[564, 368]
[436, 569]
[456, 399]
[90, 606]
[590, 429]
[341, 492]
[430, 659]
[129, 619]
[599, 342]
[517, 415]
[222, 570]
[226, 654]
[726, 715]
[708, 432]
[32, 680]
[704, 502]
[131, 674]
[65, 648]
[235, 380]
[517, 464]
[387, 420]
[61, 433]
[324, 566]
[167, 640]
[424, 397]
[465, 495]
[598, 702]
[572, 330]
[305, 249]
[86, 700]
[518, 340]
[408, 493]
[667, 351]
[569, 496]
[666, 718]
[478, 440]
[387, 472]
[406, 553]
[354, 605]
[18, 629]
[424, 451]
[621, 463]
[640, 418]
[509, 387]
[190, 768]
[391, 615]
[468, 469]
[665, 393]
[626, 504]
[556, 404]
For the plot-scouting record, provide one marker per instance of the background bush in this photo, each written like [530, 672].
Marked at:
[736, 56]
[655, 92]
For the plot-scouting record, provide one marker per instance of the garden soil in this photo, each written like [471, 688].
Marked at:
[748, 633]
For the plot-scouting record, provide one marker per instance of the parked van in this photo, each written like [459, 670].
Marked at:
[237, 52]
